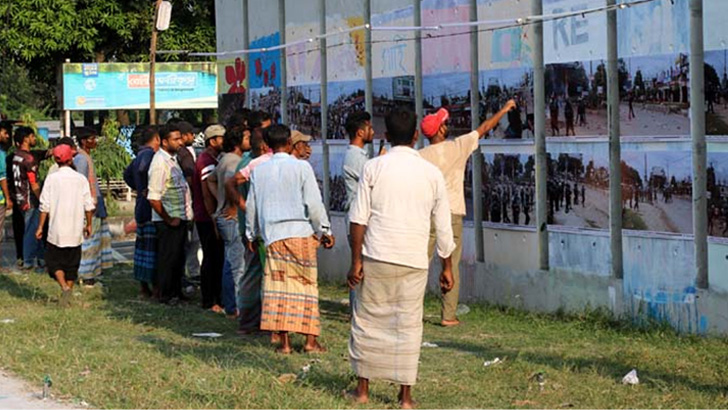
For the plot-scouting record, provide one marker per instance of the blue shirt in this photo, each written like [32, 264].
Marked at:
[284, 201]
[136, 176]
[83, 167]
[353, 166]
[3, 175]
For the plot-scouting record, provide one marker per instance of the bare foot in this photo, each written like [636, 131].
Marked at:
[284, 350]
[217, 309]
[355, 397]
[315, 348]
[450, 323]
[275, 338]
[410, 404]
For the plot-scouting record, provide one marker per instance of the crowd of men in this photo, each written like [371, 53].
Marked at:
[73, 248]
[253, 200]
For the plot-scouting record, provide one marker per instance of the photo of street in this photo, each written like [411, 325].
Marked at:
[717, 184]
[388, 93]
[343, 98]
[304, 109]
[578, 187]
[657, 191]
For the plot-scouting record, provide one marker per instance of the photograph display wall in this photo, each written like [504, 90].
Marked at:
[393, 68]
[654, 90]
[717, 184]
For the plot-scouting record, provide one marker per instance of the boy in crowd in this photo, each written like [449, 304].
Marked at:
[66, 199]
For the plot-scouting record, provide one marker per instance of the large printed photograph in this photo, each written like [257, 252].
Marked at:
[657, 191]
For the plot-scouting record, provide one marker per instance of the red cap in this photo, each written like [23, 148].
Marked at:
[431, 123]
[62, 153]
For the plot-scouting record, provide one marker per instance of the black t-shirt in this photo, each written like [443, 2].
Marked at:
[186, 162]
[25, 173]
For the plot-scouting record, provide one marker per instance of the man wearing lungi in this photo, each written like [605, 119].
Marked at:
[96, 249]
[136, 176]
[285, 208]
[399, 196]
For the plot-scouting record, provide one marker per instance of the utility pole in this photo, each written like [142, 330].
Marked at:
[152, 63]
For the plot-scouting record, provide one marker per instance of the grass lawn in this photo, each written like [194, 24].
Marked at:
[115, 351]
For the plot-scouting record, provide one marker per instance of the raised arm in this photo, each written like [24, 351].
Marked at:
[491, 122]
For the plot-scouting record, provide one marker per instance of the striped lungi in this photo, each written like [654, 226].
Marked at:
[145, 253]
[386, 325]
[96, 250]
[290, 287]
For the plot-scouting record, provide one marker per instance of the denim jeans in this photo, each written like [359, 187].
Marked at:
[33, 249]
[234, 267]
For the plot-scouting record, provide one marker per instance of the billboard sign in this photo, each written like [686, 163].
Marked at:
[110, 86]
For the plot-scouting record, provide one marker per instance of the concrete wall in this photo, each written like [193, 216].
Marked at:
[659, 269]
[658, 283]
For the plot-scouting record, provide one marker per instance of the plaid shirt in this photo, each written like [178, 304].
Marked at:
[167, 183]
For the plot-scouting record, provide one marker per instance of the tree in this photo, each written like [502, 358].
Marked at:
[39, 35]
[110, 158]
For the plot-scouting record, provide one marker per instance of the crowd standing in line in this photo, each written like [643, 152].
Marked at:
[253, 200]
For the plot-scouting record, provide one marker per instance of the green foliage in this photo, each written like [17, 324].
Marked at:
[39, 35]
[110, 158]
[19, 94]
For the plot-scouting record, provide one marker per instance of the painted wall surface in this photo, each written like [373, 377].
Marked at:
[718, 264]
[506, 47]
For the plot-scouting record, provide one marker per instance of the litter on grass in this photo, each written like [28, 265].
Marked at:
[631, 378]
[428, 344]
[462, 310]
[495, 361]
[209, 335]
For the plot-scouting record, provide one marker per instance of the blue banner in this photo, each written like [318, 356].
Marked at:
[109, 86]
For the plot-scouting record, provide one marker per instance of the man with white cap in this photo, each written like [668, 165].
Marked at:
[301, 145]
[451, 157]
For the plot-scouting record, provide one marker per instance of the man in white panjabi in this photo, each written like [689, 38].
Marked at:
[399, 197]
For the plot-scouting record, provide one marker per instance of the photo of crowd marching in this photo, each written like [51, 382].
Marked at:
[718, 194]
[577, 189]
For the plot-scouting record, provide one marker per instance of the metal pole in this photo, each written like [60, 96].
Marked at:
[368, 100]
[697, 131]
[615, 149]
[246, 56]
[419, 108]
[475, 121]
[539, 110]
[152, 67]
[67, 123]
[324, 105]
[368, 97]
[284, 63]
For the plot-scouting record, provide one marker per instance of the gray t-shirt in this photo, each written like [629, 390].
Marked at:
[225, 169]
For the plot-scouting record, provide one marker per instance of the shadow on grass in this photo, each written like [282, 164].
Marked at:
[231, 351]
[17, 289]
[609, 368]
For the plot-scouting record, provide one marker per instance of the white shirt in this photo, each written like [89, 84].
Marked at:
[66, 196]
[451, 157]
[398, 198]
